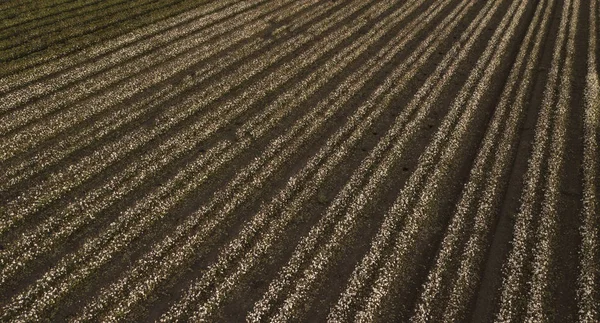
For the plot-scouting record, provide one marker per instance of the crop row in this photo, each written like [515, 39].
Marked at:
[23, 11]
[244, 149]
[415, 208]
[287, 101]
[251, 95]
[451, 282]
[157, 157]
[535, 224]
[64, 19]
[589, 278]
[45, 192]
[81, 36]
[308, 179]
[92, 53]
[118, 66]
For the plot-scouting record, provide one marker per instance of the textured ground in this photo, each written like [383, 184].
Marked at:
[285, 160]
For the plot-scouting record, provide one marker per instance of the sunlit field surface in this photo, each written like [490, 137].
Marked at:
[299, 161]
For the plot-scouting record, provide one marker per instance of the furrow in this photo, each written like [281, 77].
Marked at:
[538, 307]
[482, 192]
[45, 286]
[515, 271]
[157, 156]
[73, 269]
[285, 101]
[59, 183]
[424, 185]
[20, 79]
[279, 160]
[32, 11]
[286, 275]
[180, 307]
[7, 5]
[55, 153]
[425, 98]
[52, 154]
[43, 193]
[266, 240]
[38, 26]
[155, 67]
[177, 39]
[56, 45]
[50, 7]
[26, 5]
[81, 211]
[348, 223]
[66, 19]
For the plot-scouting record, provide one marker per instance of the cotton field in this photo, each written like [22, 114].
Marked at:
[299, 161]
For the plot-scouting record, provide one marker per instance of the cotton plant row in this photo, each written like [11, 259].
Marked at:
[32, 200]
[423, 100]
[425, 183]
[51, 188]
[589, 277]
[73, 269]
[539, 303]
[31, 9]
[122, 182]
[535, 227]
[87, 58]
[174, 58]
[251, 95]
[227, 260]
[82, 37]
[170, 119]
[310, 84]
[80, 154]
[450, 284]
[82, 210]
[60, 20]
[127, 62]
[263, 245]
[51, 155]
[40, 28]
[309, 246]
[205, 70]
[27, 6]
